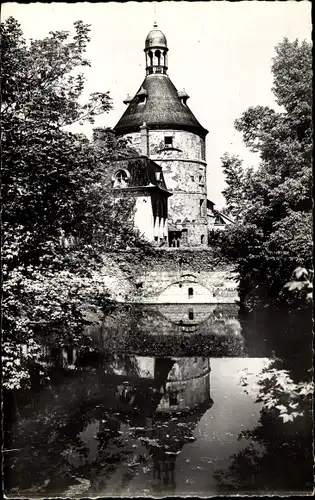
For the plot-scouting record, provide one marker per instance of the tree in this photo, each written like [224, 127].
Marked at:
[273, 202]
[58, 217]
[235, 180]
[266, 463]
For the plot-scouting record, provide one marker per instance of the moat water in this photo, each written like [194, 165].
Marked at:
[160, 403]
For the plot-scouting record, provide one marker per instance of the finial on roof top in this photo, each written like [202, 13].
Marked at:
[155, 24]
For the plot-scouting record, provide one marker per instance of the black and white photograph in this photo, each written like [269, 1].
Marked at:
[157, 249]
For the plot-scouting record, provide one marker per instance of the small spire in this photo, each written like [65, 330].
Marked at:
[155, 25]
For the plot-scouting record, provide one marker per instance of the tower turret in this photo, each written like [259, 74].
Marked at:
[175, 140]
[156, 52]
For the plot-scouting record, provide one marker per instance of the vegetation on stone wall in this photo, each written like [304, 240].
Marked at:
[272, 202]
[198, 260]
[57, 215]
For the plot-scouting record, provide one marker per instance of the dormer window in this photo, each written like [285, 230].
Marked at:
[142, 95]
[183, 96]
[168, 141]
[120, 178]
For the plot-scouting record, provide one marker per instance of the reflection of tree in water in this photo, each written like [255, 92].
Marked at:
[279, 456]
[51, 433]
[53, 429]
[286, 333]
[48, 427]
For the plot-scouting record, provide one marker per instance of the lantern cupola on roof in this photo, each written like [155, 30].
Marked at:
[157, 102]
[156, 52]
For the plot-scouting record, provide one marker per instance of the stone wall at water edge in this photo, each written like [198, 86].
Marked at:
[169, 276]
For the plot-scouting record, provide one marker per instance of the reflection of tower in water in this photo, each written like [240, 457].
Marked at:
[184, 386]
[187, 385]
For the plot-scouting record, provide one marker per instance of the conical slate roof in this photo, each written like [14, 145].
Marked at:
[162, 108]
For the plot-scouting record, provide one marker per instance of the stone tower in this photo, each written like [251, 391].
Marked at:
[162, 127]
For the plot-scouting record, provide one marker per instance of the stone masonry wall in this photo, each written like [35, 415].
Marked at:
[136, 278]
[191, 145]
[185, 172]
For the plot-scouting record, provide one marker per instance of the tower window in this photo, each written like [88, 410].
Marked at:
[190, 313]
[202, 238]
[168, 141]
[201, 205]
[190, 293]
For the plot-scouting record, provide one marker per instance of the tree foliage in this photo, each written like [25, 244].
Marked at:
[273, 201]
[58, 217]
[266, 463]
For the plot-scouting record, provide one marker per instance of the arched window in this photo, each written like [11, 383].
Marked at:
[190, 292]
[120, 178]
[202, 238]
[158, 56]
[151, 58]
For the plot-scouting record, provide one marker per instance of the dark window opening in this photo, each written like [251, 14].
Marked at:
[141, 98]
[151, 58]
[190, 313]
[168, 141]
[120, 178]
[192, 178]
[158, 56]
[173, 398]
[184, 235]
[190, 293]
[200, 178]
[156, 238]
[202, 238]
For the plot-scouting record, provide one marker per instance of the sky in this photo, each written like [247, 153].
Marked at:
[219, 52]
